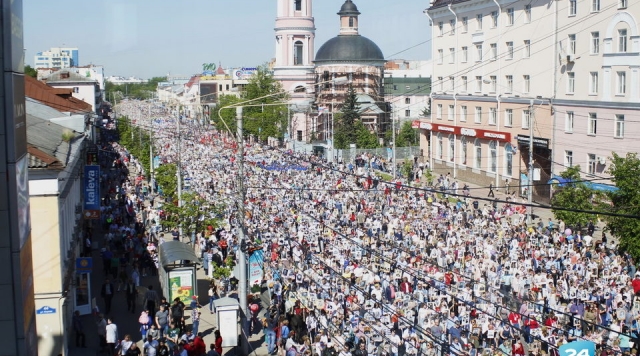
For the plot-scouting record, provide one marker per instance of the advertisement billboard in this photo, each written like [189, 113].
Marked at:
[91, 190]
[244, 72]
[181, 285]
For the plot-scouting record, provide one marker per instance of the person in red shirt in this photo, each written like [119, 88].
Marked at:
[636, 287]
[199, 345]
[218, 342]
[514, 319]
[516, 348]
[405, 286]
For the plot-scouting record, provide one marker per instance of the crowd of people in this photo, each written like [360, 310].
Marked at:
[359, 266]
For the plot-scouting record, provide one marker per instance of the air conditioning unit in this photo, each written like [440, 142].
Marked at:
[602, 160]
[571, 58]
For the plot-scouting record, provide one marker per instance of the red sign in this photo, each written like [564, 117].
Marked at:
[464, 131]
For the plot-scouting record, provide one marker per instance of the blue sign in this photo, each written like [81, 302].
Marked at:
[46, 310]
[578, 348]
[92, 191]
[84, 264]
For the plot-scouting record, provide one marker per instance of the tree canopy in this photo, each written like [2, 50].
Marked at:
[574, 195]
[348, 126]
[136, 140]
[228, 115]
[30, 71]
[141, 91]
[264, 116]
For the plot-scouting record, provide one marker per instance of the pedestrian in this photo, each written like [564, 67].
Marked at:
[101, 325]
[162, 320]
[125, 345]
[199, 345]
[177, 312]
[213, 295]
[491, 195]
[106, 293]
[132, 295]
[195, 319]
[151, 299]
[144, 320]
[507, 187]
[134, 351]
[150, 346]
[218, 342]
[79, 330]
[111, 335]
[212, 351]
[163, 349]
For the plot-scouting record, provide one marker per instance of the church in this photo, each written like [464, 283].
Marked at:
[317, 84]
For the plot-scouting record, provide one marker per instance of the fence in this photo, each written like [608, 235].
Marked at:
[402, 153]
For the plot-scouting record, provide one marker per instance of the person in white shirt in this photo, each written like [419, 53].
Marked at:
[111, 335]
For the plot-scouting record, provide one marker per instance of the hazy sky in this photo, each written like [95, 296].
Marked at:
[146, 38]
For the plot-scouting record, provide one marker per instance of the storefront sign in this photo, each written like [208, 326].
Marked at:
[464, 131]
[46, 310]
[84, 264]
[92, 192]
[537, 141]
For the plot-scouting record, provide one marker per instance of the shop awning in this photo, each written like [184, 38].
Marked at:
[601, 187]
[172, 251]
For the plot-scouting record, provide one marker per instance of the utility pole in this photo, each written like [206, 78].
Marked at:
[393, 138]
[532, 117]
[242, 258]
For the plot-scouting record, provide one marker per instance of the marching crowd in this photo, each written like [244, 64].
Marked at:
[359, 266]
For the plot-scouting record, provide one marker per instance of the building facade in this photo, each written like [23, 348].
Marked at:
[81, 86]
[293, 67]
[57, 57]
[598, 85]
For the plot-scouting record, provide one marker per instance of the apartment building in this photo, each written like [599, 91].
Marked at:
[493, 77]
[598, 94]
[57, 57]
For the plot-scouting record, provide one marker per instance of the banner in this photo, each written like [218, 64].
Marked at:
[181, 285]
[255, 268]
[91, 192]
[578, 348]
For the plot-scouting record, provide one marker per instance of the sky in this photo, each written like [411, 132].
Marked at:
[147, 38]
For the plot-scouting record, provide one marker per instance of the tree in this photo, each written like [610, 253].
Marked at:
[227, 114]
[136, 140]
[407, 135]
[141, 91]
[345, 130]
[574, 195]
[364, 137]
[625, 201]
[264, 116]
[194, 214]
[30, 71]
[167, 179]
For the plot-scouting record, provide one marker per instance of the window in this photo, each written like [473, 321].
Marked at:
[407, 113]
[465, 24]
[478, 154]
[527, 49]
[493, 153]
[526, 83]
[299, 135]
[526, 119]
[478, 84]
[573, 7]
[440, 56]
[568, 158]
[494, 83]
[479, 22]
[76, 89]
[452, 83]
[407, 100]
[465, 83]
[508, 169]
[508, 117]
[621, 83]
[452, 147]
[298, 5]
[297, 53]
[568, 122]
[439, 111]
[439, 148]
[463, 150]
[622, 4]
[509, 50]
[593, 124]
[450, 113]
[463, 113]
[352, 21]
[572, 44]
[595, 5]
[478, 117]
[493, 116]
[510, 16]
[452, 24]
[595, 42]
[465, 54]
[494, 51]
[494, 19]
[509, 83]
[591, 163]
[452, 55]
[478, 53]
[619, 126]
[622, 41]
[527, 14]
[440, 84]
[440, 28]
[571, 82]
[593, 83]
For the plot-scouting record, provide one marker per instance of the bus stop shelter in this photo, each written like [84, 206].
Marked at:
[177, 271]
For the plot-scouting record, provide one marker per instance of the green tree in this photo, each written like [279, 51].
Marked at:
[364, 137]
[625, 201]
[407, 135]
[136, 140]
[141, 91]
[167, 179]
[426, 111]
[345, 130]
[228, 114]
[194, 214]
[30, 71]
[264, 116]
[574, 195]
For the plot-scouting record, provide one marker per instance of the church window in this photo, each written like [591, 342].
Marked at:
[297, 53]
[351, 21]
[298, 4]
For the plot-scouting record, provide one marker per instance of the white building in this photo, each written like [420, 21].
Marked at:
[122, 80]
[57, 57]
[82, 87]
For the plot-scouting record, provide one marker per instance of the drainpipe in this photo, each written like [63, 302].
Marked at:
[498, 100]
[498, 89]
[431, 98]
[455, 99]
[555, 87]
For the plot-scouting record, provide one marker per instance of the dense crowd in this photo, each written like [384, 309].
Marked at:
[358, 266]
